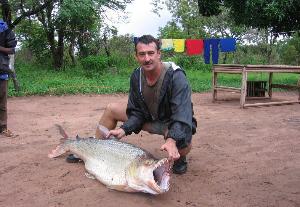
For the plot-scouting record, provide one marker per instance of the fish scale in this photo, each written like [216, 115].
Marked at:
[99, 147]
[107, 159]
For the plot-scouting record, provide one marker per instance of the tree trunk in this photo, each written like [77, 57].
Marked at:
[225, 58]
[83, 50]
[107, 51]
[59, 54]
[71, 51]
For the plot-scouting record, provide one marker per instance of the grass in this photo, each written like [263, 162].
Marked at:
[35, 80]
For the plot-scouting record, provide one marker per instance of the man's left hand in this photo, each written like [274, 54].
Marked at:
[118, 133]
[170, 147]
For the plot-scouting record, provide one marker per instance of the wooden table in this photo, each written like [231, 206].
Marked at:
[244, 70]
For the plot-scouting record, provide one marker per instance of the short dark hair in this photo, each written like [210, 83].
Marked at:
[147, 39]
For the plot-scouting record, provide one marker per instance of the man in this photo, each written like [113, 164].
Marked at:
[159, 102]
[7, 46]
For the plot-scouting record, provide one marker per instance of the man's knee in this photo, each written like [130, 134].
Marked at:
[111, 107]
[116, 111]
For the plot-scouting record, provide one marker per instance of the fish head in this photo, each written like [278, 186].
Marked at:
[149, 176]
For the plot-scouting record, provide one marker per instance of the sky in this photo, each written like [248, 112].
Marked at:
[141, 20]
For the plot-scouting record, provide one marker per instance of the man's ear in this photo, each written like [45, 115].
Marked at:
[159, 53]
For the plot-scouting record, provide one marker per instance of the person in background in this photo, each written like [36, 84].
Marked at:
[7, 46]
[159, 102]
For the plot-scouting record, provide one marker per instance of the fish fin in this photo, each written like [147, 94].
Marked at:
[78, 137]
[88, 175]
[59, 150]
[121, 188]
[62, 131]
[103, 131]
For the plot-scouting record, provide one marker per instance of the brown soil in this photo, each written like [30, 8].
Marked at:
[240, 157]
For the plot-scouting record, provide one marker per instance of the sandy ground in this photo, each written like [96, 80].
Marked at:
[240, 157]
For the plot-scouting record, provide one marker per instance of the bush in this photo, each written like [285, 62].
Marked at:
[190, 62]
[94, 64]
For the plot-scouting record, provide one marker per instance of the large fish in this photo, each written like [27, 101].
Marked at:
[118, 165]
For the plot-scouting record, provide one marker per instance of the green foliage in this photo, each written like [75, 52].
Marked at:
[122, 51]
[36, 80]
[185, 13]
[34, 39]
[76, 14]
[61, 24]
[290, 55]
[209, 7]
[94, 64]
[122, 62]
[290, 51]
[280, 15]
[171, 31]
[190, 62]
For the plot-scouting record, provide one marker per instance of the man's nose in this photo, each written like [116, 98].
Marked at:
[147, 57]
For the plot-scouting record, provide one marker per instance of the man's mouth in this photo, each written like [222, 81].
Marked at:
[147, 63]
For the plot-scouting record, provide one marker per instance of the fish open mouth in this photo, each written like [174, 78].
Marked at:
[161, 174]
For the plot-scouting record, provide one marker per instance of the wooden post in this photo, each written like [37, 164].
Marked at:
[215, 76]
[298, 84]
[244, 87]
[270, 85]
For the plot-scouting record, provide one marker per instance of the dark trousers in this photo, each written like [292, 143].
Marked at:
[3, 104]
[214, 44]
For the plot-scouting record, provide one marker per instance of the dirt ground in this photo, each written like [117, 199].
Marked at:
[240, 157]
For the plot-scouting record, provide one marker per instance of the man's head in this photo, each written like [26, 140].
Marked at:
[147, 52]
[147, 39]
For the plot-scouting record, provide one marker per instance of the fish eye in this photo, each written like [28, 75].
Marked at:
[148, 162]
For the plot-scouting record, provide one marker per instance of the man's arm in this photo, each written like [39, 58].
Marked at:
[135, 112]
[180, 128]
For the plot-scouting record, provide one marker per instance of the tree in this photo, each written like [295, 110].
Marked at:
[279, 16]
[171, 30]
[63, 21]
[290, 50]
[184, 14]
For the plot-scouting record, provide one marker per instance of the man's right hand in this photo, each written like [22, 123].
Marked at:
[170, 147]
[118, 133]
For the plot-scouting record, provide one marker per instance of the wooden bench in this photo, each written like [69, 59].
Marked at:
[244, 70]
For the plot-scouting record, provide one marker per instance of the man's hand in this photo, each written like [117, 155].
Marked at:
[118, 133]
[170, 147]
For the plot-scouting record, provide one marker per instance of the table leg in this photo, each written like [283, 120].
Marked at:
[243, 88]
[270, 85]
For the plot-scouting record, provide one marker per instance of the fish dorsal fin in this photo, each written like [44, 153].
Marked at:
[78, 137]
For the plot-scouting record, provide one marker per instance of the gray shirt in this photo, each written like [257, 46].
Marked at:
[151, 93]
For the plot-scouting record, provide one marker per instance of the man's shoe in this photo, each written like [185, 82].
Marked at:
[180, 166]
[7, 133]
[73, 159]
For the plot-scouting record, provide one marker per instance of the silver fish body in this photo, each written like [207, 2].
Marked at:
[119, 165]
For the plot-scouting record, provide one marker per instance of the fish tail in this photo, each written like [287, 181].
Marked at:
[62, 131]
[62, 148]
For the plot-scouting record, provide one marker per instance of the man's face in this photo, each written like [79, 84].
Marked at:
[147, 56]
